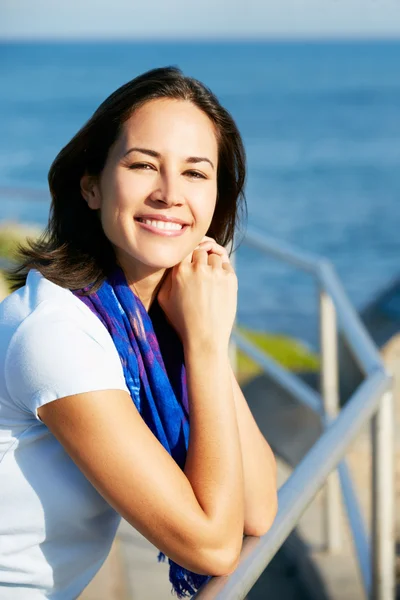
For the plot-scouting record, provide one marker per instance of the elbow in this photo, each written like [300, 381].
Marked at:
[223, 562]
[259, 526]
[210, 551]
[223, 557]
[210, 562]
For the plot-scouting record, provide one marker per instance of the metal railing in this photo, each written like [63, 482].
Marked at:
[372, 401]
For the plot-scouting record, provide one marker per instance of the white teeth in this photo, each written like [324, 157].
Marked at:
[163, 224]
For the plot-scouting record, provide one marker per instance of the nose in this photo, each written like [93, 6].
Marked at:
[167, 190]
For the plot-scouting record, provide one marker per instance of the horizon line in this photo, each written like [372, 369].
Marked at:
[353, 37]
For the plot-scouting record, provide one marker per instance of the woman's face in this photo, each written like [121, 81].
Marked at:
[158, 189]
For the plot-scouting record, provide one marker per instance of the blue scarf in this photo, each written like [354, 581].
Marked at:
[152, 358]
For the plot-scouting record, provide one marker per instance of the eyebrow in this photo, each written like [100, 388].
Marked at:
[154, 154]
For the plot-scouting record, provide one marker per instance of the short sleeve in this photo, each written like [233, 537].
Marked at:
[58, 353]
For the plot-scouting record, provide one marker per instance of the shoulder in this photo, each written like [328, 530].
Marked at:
[41, 304]
[53, 345]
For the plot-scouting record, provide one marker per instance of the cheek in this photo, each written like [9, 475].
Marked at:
[203, 205]
[122, 190]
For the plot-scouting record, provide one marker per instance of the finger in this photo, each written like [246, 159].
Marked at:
[214, 260]
[208, 240]
[228, 267]
[200, 256]
[215, 249]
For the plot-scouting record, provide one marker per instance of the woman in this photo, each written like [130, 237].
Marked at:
[116, 338]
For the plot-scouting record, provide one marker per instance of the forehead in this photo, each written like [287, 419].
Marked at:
[169, 125]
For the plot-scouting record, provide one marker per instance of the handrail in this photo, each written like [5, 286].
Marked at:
[363, 347]
[301, 391]
[298, 491]
[283, 251]
[360, 539]
[323, 270]
[372, 400]
[292, 384]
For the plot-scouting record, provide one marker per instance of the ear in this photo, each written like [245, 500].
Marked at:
[90, 191]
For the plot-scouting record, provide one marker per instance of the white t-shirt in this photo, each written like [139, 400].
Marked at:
[56, 530]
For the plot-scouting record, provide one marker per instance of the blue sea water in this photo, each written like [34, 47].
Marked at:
[321, 126]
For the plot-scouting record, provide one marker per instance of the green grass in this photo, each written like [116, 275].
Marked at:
[11, 234]
[288, 352]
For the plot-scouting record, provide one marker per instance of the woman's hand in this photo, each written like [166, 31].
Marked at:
[199, 296]
[211, 247]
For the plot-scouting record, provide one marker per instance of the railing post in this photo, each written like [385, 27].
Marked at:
[383, 500]
[329, 385]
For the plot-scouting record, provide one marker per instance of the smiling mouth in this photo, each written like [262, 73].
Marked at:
[163, 225]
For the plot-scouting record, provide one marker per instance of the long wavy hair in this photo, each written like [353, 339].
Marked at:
[73, 250]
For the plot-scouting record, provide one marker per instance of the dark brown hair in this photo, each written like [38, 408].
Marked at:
[73, 251]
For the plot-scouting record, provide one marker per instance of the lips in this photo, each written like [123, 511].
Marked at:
[162, 225]
[164, 218]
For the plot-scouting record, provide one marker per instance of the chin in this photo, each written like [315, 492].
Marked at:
[162, 260]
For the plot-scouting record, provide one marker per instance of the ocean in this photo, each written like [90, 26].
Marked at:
[321, 126]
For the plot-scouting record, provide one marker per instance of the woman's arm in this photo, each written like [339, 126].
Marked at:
[214, 460]
[107, 438]
[259, 466]
[259, 469]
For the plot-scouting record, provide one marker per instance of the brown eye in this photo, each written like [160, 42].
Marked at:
[195, 175]
[144, 166]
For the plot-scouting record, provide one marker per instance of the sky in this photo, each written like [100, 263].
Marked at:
[134, 19]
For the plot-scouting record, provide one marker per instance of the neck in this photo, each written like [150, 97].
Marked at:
[143, 281]
[147, 287]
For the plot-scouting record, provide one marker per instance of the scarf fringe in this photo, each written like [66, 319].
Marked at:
[185, 583]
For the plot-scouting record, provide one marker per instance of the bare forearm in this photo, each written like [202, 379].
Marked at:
[259, 470]
[214, 459]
